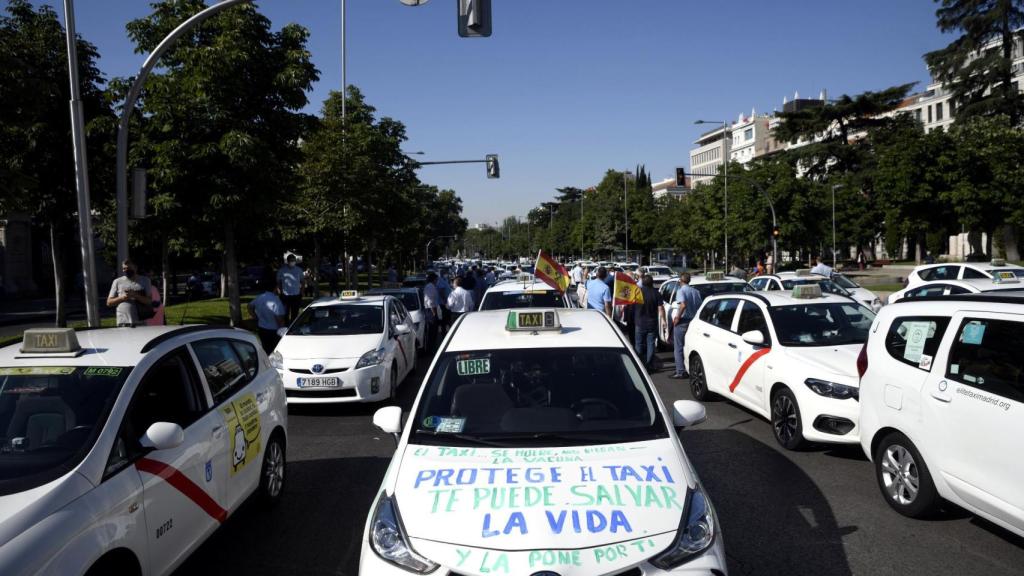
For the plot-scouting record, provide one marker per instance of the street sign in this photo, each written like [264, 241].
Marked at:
[474, 18]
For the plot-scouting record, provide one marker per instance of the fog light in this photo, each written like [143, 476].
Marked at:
[374, 385]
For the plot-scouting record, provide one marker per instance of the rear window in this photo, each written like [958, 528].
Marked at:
[528, 299]
[914, 340]
[721, 288]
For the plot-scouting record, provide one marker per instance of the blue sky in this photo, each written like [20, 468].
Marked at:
[565, 89]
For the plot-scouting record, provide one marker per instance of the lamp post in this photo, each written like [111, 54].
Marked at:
[625, 206]
[834, 187]
[725, 161]
[426, 253]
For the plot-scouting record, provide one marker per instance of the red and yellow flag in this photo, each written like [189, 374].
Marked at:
[550, 272]
[627, 291]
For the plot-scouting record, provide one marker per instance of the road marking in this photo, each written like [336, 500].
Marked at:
[182, 484]
[746, 366]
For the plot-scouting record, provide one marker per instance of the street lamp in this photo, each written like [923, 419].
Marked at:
[426, 253]
[725, 160]
[834, 187]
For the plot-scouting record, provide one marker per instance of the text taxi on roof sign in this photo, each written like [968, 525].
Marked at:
[161, 432]
[538, 445]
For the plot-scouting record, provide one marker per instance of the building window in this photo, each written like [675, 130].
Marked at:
[929, 114]
[938, 112]
[748, 134]
[917, 114]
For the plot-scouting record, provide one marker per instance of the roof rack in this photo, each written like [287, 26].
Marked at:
[179, 332]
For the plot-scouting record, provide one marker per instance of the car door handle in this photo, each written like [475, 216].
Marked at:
[941, 397]
[732, 345]
[706, 335]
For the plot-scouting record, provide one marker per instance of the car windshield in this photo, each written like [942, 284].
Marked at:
[659, 271]
[339, 320]
[827, 286]
[538, 396]
[831, 324]
[49, 418]
[706, 290]
[410, 300]
[527, 299]
[844, 282]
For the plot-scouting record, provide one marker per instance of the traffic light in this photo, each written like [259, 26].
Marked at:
[493, 169]
[681, 177]
[775, 232]
[474, 18]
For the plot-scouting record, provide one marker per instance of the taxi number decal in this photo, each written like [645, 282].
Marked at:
[473, 367]
[242, 418]
[102, 371]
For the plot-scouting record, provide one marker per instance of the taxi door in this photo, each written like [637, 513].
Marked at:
[180, 502]
[713, 338]
[746, 374]
[973, 413]
[229, 367]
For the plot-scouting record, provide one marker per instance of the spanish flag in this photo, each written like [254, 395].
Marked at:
[550, 272]
[627, 291]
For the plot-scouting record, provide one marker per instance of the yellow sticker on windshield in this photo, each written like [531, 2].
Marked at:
[37, 371]
[242, 418]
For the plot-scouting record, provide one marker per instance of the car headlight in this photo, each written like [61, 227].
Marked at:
[371, 358]
[387, 538]
[832, 390]
[276, 360]
[696, 532]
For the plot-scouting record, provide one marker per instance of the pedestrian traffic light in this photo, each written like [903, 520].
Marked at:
[775, 231]
[474, 18]
[681, 177]
[493, 169]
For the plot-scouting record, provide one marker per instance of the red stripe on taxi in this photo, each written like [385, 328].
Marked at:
[182, 484]
[746, 366]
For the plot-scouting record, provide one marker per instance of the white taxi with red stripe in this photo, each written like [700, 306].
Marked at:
[123, 449]
[790, 357]
[348, 349]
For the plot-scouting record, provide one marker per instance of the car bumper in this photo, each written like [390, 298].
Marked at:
[829, 420]
[362, 385]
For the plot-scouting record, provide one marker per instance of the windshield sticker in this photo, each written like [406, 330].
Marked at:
[974, 333]
[431, 422]
[954, 368]
[37, 371]
[917, 334]
[925, 363]
[451, 425]
[242, 418]
[473, 367]
[102, 371]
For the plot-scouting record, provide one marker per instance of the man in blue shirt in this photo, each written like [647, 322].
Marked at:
[689, 300]
[599, 296]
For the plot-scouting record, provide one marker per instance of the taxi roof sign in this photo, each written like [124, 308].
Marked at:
[999, 262]
[715, 275]
[532, 320]
[349, 295]
[803, 272]
[1005, 277]
[50, 341]
[807, 291]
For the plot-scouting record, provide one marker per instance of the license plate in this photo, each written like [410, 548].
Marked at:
[318, 382]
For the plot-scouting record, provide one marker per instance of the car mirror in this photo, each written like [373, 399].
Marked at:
[282, 332]
[389, 420]
[755, 337]
[163, 436]
[686, 413]
[401, 329]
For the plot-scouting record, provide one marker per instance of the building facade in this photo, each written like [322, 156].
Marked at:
[706, 159]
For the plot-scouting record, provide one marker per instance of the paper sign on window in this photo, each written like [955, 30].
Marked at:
[916, 335]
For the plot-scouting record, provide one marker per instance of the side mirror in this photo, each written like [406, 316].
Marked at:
[401, 329]
[755, 337]
[686, 413]
[282, 332]
[163, 436]
[389, 420]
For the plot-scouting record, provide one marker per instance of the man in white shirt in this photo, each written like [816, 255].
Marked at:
[577, 274]
[126, 293]
[821, 268]
[289, 285]
[432, 310]
[269, 313]
[460, 300]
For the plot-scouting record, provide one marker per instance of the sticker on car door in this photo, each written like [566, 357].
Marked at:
[242, 418]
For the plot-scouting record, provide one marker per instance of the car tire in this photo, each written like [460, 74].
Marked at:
[698, 380]
[115, 563]
[787, 425]
[904, 478]
[272, 472]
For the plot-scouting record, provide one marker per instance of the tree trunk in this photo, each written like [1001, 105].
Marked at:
[57, 254]
[165, 267]
[231, 273]
[224, 272]
[917, 248]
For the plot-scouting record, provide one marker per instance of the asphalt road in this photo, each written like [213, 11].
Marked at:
[816, 512]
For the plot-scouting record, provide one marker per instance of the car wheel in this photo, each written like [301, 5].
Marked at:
[903, 477]
[272, 473]
[698, 380]
[786, 422]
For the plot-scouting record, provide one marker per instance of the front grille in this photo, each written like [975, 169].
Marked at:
[326, 371]
[343, 393]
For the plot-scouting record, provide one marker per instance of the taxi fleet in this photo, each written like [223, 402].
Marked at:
[123, 449]
[789, 357]
[537, 445]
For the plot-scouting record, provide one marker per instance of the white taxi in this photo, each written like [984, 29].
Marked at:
[412, 299]
[123, 449]
[786, 281]
[963, 271]
[1004, 281]
[859, 293]
[348, 349]
[538, 445]
[942, 398]
[790, 357]
[714, 282]
[525, 292]
[660, 274]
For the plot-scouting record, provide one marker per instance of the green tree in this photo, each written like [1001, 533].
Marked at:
[37, 171]
[223, 119]
[978, 65]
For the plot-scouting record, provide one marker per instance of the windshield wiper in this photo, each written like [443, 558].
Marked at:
[566, 436]
[464, 437]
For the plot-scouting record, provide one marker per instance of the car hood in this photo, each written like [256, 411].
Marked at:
[828, 361]
[526, 499]
[324, 347]
[22, 510]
